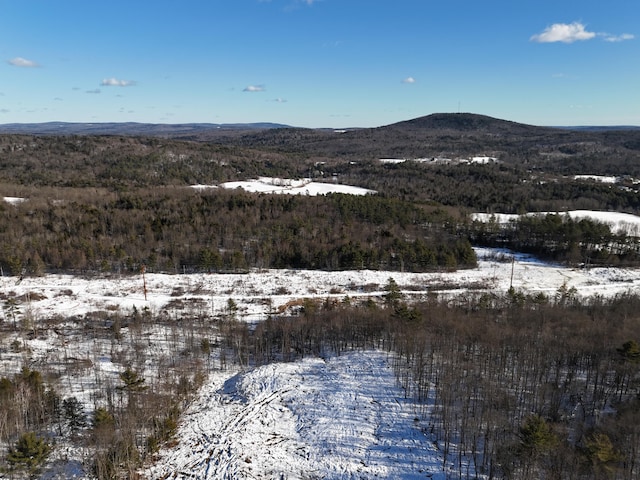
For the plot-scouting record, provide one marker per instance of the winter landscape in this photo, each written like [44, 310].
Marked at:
[336, 416]
[228, 309]
[319, 240]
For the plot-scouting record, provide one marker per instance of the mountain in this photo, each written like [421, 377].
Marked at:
[467, 122]
[438, 135]
[130, 128]
[448, 135]
[434, 124]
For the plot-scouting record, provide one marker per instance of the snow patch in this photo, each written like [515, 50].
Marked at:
[288, 186]
[344, 417]
[14, 200]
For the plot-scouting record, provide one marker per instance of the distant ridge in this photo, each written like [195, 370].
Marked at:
[436, 136]
[129, 128]
[595, 128]
[468, 122]
[436, 123]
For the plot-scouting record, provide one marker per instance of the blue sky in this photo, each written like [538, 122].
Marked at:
[319, 63]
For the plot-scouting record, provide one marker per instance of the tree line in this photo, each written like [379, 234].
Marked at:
[560, 238]
[183, 229]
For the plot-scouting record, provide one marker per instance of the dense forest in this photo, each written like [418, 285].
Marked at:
[112, 204]
[182, 229]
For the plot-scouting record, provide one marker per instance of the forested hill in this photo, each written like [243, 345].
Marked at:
[130, 128]
[455, 135]
[469, 123]
[448, 135]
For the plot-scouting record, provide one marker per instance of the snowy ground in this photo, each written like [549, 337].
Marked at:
[343, 417]
[260, 293]
[289, 186]
[333, 418]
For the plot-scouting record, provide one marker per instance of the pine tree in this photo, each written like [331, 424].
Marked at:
[602, 454]
[29, 452]
[394, 295]
[133, 382]
[74, 414]
[536, 436]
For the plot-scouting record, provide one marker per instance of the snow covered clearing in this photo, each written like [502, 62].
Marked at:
[14, 200]
[482, 160]
[288, 186]
[342, 417]
[597, 178]
[261, 293]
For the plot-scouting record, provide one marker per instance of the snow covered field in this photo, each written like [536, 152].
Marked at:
[260, 293]
[334, 418]
[288, 186]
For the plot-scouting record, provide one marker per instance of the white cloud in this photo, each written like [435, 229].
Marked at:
[563, 32]
[114, 82]
[617, 38]
[280, 100]
[22, 62]
[254, 88]
[97, 90]
[296, 4]
[409, 80]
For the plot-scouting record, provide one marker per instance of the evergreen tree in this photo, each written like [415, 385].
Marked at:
[29, 452]
[602, 454]
[133, 382]
[74, 414]
[394, 295]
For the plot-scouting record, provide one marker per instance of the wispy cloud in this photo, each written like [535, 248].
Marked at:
[114, 82]
[22, 62]
[564, 32]
[616, 38]
[254, 88]
[296, 4]
[576, 31]
[96, 91]
[280, 100]
[409, 80]
[333, 44]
